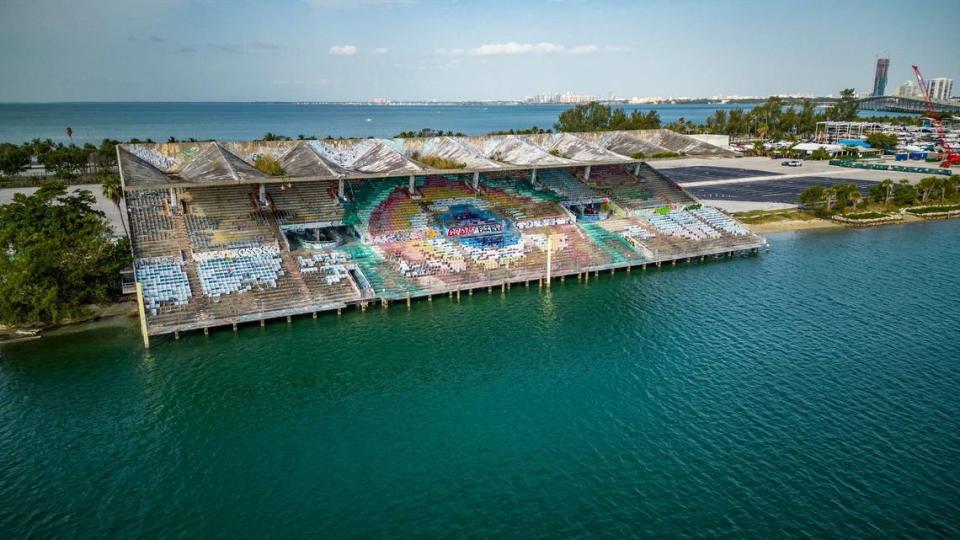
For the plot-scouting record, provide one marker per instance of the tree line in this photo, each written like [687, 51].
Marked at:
[56, 256]
[828, 200]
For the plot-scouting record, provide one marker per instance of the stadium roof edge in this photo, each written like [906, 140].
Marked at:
[159, 165]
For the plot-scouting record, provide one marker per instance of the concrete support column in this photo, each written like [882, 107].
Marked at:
[533, 175]
[586, 173]
[173, 199]
[476, 181]
[263, 195]
[413, 184]
[636, 170]
[341, 189]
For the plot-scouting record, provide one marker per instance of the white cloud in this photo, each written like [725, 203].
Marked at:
[584, 49]
[512, 48]
[343, 50]
[380, 50]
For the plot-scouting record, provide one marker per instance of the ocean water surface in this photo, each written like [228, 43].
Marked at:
[810, 391]
[92, 122]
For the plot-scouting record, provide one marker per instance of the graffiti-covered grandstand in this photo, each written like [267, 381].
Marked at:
[217, 242]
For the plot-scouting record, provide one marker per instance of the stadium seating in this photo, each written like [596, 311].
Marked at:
[150, 223]
[238, 267]
[225, 218]
[681, 224]
[238, 271]
[721, 221]
[163, 281]
[306, 202]
[330, 264]
[564, 183]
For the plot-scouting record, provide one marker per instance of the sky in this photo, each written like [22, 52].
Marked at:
[318, 50]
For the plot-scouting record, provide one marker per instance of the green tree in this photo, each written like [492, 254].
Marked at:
[13, 159]
[904, 194]
[56, 257]
[927, 186]
[111, 189]
[66, 161]
[587, 117]
[845, 109]
[812, 195]
[105, 155]
[599, 117]
[888, 190]
[884, 141]
[820, 154]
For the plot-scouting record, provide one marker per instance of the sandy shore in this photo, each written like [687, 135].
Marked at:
[105, 315]
[793, 225]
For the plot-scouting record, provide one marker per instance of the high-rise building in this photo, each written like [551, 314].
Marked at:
[940, 88]
[908, 90]
[880, 77]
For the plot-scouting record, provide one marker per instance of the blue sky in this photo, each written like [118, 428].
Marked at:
[103, 50]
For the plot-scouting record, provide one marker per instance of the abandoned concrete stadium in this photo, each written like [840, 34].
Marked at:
[356, 222]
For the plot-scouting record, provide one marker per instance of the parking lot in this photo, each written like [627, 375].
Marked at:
[701, 173]
[772, 191]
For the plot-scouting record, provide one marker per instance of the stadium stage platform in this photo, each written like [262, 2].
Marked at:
[359, 222]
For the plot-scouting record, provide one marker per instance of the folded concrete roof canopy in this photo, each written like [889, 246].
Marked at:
[146, 166]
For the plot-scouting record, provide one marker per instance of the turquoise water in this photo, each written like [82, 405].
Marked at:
[92, 122]
[811, 391]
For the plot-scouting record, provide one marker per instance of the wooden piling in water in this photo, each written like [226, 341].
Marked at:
[143, 317]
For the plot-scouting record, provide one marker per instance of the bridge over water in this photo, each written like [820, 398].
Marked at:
[904, 105]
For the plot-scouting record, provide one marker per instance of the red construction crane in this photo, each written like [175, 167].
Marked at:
[952, 158]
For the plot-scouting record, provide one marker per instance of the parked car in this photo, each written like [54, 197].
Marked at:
[792, 163]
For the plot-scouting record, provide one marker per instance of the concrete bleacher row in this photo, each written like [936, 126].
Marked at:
[307, 202]
[223, 276]
[163, 281]
[565, 184]
[218, 283]
[332, 266]
[224, 218]
[698, 224]
[150, 224]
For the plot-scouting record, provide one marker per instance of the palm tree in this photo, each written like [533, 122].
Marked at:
[855, 198]
[926, 185]
[828, 194]
[110, 184]
[888, 186]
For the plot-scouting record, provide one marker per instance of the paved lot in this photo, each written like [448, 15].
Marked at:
[699, 173]
[772, 167]
[102, 204]
[772, 191]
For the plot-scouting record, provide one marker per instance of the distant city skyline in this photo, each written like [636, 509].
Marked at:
[343, 50]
